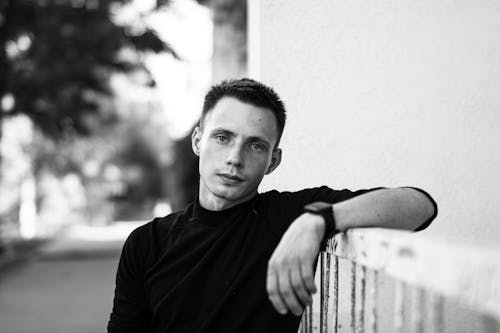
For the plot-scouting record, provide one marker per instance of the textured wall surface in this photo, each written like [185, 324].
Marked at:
[389, 93]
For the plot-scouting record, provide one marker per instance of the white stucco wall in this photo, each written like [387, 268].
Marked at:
[389, 93]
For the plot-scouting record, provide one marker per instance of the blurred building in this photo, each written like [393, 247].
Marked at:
[230, 39]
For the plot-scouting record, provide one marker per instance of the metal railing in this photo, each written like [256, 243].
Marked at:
[431, 285]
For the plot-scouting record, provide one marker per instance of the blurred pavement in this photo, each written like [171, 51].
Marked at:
[67, 285]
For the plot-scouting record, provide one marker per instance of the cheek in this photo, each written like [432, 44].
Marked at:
[210, 150]
[208, 159]
[259, 166]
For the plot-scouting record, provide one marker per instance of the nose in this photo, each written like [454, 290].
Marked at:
[235, 156]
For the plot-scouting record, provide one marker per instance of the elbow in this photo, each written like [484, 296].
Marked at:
[427, 208]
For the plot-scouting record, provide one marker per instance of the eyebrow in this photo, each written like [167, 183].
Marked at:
[250, 139]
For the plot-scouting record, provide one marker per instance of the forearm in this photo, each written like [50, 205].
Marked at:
[398, 208]
[290, 277]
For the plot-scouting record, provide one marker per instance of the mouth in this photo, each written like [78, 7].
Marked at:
[229, 178]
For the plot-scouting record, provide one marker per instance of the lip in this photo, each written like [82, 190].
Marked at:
[228, 178]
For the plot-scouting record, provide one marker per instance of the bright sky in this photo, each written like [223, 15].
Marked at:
[181, 85]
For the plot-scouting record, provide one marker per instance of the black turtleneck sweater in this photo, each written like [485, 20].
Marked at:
[205, 271]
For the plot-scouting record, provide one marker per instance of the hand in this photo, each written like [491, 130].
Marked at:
[290, 271]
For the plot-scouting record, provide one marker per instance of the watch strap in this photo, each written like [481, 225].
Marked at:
[326, 211]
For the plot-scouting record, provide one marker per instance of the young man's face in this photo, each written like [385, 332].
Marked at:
[236, 149]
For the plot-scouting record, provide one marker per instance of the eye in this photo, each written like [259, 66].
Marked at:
[257, 146]
[221, 137]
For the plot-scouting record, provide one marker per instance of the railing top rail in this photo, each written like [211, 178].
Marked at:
[465, 272]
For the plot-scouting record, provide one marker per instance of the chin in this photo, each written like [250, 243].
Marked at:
[228, 194]
[231, 194]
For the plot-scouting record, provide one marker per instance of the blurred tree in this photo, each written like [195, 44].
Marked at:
[121, 167]
[56, 57]
[141, 160]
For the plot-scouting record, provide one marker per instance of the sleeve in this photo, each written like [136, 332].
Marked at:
[130, 312]
[327, 194]
[285, 207]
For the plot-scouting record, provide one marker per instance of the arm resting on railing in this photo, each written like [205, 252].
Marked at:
[402, 208]
[290, 276]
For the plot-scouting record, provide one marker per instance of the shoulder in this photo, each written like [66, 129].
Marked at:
[141, 233]
[137, 245]
[145, 232]
[158, 225]
[282, 208]
[290, 203]
[147, 237]
[305, 196]
[319, 193]
[279, 209]
[278, 195]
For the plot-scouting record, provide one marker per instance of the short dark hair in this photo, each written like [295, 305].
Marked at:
[248, 91]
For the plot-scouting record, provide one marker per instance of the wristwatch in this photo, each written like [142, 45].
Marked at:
[326, 211]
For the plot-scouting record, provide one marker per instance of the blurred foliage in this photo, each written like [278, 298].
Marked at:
[56, 57]
[122, 166]
[56, 61]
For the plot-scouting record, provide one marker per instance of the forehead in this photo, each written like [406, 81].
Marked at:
[242, 118]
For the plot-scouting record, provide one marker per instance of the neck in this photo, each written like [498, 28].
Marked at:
[212, 202]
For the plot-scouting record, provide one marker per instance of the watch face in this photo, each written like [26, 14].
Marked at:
[311, 208]
[317, 207]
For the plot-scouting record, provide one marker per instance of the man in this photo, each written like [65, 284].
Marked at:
[236, 260]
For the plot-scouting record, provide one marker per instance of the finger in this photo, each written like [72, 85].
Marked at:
[273, 292]
[299, 287]
[287, 293]
[308, 277]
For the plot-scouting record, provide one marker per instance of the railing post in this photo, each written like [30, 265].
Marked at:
[306, 322]
[436, 315]
[399, 302]
[417, 310]
[353, 296]
[325, 292]
[335, 293]
[362, 301]
[373, 301]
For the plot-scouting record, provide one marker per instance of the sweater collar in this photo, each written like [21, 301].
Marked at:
[220, 217]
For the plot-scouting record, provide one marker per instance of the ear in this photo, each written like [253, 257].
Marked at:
[275, 160]
[195, 140]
